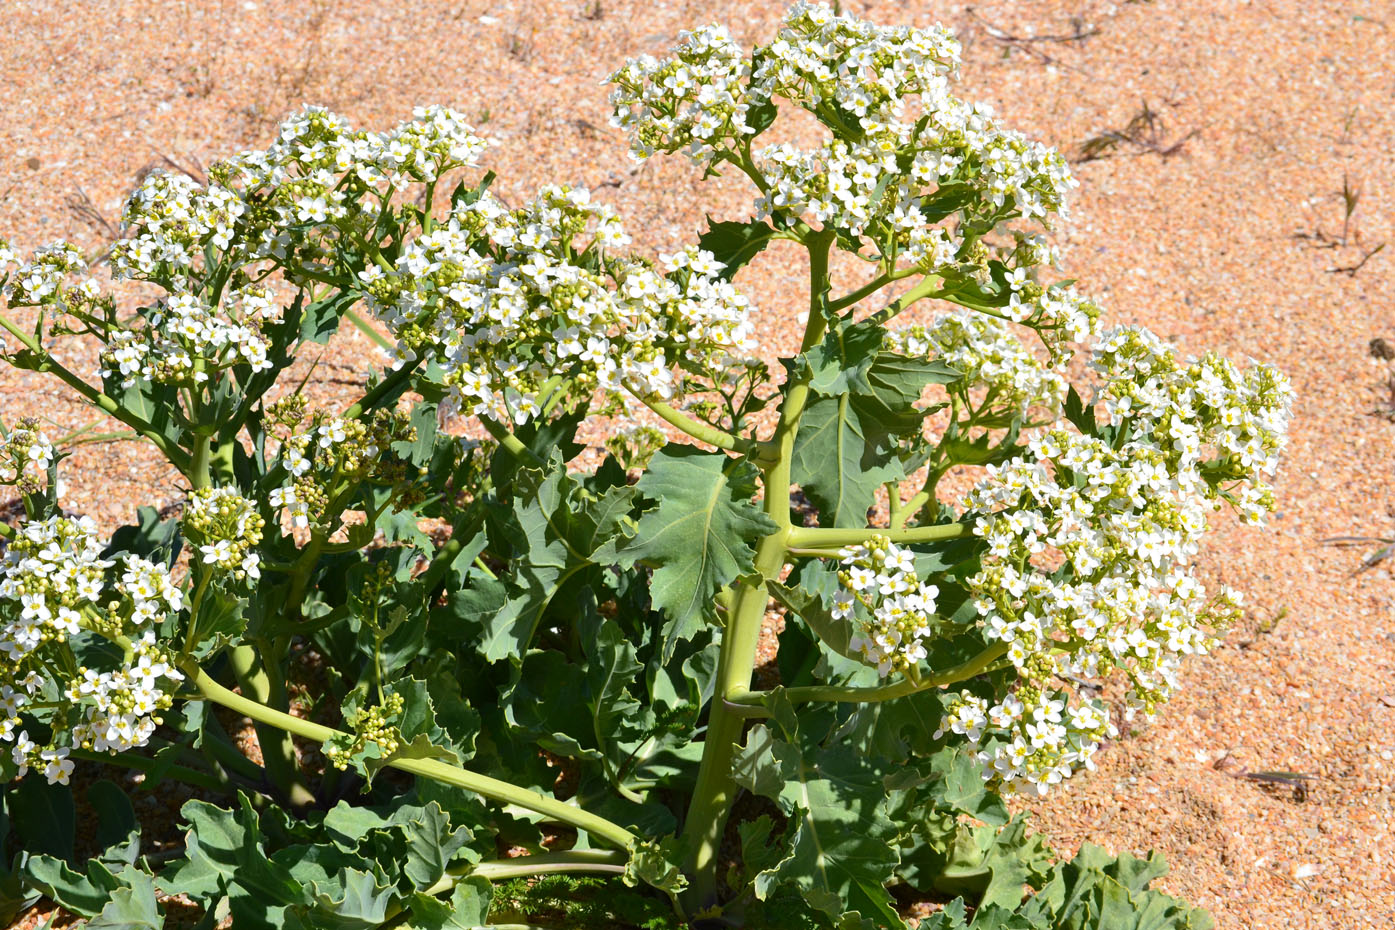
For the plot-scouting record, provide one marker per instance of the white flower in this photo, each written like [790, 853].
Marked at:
[896, 606]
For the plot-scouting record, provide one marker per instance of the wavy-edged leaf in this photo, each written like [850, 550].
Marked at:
[468, 908]
[1096, 889]
[83, 894]
[555, 532]
[762, 853]
[655, 863]
[354, 900]
[133, 906]
[226, 857]
[846, 447]
[806, 604]
[841, 457]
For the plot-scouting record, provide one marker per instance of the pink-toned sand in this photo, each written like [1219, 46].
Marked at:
[1275, 103]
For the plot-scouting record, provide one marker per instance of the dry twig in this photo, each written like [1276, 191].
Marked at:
[1145, 132]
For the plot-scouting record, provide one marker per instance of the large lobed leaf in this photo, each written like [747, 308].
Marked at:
[863, 405]
[699, 538]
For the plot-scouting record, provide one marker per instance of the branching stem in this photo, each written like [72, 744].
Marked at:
[715, 792]
[278, 752]
[819, 538]
[492, 788]
[752, 703]
[45, 362]
[699, 431]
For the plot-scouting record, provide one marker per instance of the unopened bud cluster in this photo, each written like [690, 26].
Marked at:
[370, 725]
[328, 450]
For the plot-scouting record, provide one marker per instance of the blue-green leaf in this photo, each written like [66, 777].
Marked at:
[132, 906]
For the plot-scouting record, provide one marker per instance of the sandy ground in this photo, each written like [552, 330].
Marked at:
[1212, 228]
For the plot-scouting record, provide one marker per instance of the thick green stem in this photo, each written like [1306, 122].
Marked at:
[926, 288]
[595, 861]
[199, 474]
[910, 508]
[512, 443]
[589, 861]
[716, 790]
[507, 793]
[818, 538]
[868, 289]
[752, 703]
[278, 751]
[491, 788]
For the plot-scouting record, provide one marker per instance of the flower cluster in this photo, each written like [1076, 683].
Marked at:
[694, 100]
[901, 142]
[169, 220]
[1089, 541]
[1058, 312]
[892, 185]
[121, 708]
[893, 607]
[1049, 739]
[865, 70]
[328, 448]
[268, 204]
[1220, 429]
[988, 354]
[40, 280]
[185, 343]
[227, 528]
[510, 302]
[25, 456]
[52, 570]
[436, 140]
[55, 586]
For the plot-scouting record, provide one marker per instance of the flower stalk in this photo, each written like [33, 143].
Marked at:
[488, 787]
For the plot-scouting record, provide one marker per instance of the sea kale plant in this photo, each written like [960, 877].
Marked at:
[403, 677]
